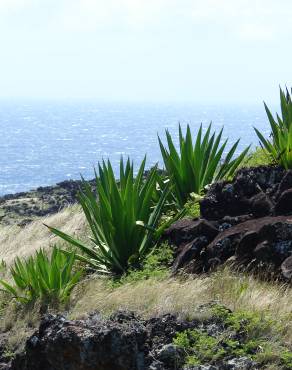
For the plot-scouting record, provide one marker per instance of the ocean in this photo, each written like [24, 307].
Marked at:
[42, 143]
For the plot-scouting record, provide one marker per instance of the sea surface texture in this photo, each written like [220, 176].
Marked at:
[42, 143]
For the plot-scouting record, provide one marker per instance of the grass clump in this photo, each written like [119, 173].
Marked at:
[258, 157]
[155, 266]
[49, 279]
[199, 346]
[192, 208]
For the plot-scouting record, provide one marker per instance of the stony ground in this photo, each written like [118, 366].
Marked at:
[23, 208]
[216, 340]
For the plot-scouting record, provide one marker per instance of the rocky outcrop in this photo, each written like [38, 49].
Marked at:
[247, 222]
[123, 342]
[259, 191]
[23, 208]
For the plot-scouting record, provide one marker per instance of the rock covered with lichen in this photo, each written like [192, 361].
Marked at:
[215, 338]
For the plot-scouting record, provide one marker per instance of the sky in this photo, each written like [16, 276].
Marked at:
[204, 51]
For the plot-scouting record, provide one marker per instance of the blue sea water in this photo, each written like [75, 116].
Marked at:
[42, 143]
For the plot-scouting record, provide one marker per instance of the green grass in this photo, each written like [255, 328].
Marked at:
[155, 266]
[258, 157]
[245, 334]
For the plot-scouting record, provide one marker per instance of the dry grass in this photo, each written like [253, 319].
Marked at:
[147, 297]
[17, 324]
[157, 297]
[22, 242]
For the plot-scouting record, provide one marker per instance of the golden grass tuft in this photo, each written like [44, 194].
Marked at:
[22, 242]
[157, 297]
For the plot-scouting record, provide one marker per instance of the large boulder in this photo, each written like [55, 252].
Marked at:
[122, 342]
[61, 344]
[265, 241]
[185, 230]
[253, 191]
[247, 221]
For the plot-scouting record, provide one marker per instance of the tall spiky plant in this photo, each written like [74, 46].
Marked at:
[198, 164]
[50, 279]
[123, 218]
[279, 146]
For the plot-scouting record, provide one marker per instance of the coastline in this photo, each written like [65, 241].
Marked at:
[22, 208]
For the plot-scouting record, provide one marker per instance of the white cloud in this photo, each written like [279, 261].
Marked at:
[246, 20]
[257, 32]
[100, 44]
[90, 15]
[7, 6]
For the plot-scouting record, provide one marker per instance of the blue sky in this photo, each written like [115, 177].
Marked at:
[153, 50]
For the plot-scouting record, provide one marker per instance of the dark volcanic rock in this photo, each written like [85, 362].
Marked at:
[247, 243]
[253, 190]
[222, 200]
[182, 231]
[22, 208]
[263, 239]
[122, 342]
[189, 252]
[284, 204]
[261, 205]
[245, 221]
[266, 239]
[285, 184]
[78, 345]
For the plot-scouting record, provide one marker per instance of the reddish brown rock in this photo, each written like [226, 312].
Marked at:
[189, 252]
[266, 239]
[186, 230]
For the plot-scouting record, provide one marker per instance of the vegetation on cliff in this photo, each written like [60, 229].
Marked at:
[126, 219]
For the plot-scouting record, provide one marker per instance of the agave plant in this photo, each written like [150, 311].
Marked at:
[50, 279]
[198, 164]
[279, 146]
[122, 217]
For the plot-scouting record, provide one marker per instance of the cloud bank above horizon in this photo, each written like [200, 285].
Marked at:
[163, 50]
